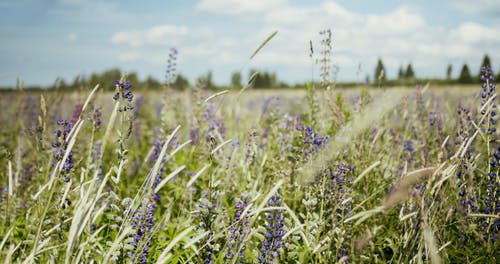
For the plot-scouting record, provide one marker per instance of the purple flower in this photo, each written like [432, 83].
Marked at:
[122, 89]
[274, 232]
[488, 91]
[238, 232]
[143, 224]
[171, 72]
[60, 145]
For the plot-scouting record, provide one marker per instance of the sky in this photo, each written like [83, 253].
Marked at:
[45, 40]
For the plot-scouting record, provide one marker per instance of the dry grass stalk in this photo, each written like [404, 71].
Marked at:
[402, 187]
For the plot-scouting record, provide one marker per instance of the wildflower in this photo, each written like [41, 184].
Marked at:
[143, 223]
[122, 90]
[216, 125]
[96, 116]
[408, 148]
[60, 146]
[238, 231]
[312, 142]
[488, 91]
[492, 204]
[274, 232]
[207, 214]
[171, 73]
[325, 68]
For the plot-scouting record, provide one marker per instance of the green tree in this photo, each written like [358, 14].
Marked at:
[60, 83]
[134, 79]
[78, 82]
[409, 74]
[263, 79]
[209, 80]
[449, 70]
[465, 76]
[236, 79]
[401, 73]
[151, 83]
[180, 83]
[380, 71]
[486, 62]
[106, 79]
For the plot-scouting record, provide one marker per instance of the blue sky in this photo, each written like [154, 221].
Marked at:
[45, 40]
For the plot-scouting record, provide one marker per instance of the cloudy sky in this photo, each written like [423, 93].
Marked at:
[42, 40]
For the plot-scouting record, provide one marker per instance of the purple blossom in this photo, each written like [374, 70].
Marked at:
[171, 72]
[143, 224]
[238, 232]
[311, 143]
[487, 94]
[274, 232]
[122, 90]
[60, 145]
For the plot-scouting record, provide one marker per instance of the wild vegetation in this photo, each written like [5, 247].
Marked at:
[318, 175]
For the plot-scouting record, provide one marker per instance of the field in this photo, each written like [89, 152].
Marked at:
[365, 175]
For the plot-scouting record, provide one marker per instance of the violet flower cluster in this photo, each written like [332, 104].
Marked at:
[216, 124]
[312, 142]
[468, 201]
[95, 113]
[492, 201]
[274, 232]
[123, 91]
[143, 218]
[60, 146]
[488, 91]
[143, 224]
[238, 231]
[171, 72]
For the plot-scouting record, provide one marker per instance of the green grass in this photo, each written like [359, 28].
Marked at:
[383, 189]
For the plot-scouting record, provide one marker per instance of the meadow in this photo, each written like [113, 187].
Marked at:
[367, 175]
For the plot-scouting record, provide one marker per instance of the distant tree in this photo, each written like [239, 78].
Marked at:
[151, 83]
[263, 79]
[78, 82]
[409, 74]
[401, 72]
[449, 70]
[180, 83]
[236, 79]
[465, 76]
[283, 85]
[106, 79]
[380, 70]
[486, 62]
[134, 79]
[205, 81]
[60, 83]
[209, 80]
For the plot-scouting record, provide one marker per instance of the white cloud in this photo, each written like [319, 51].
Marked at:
[470, 32]
[158, 35]
[403, 20]
[399, 36]
[477, 7]
[238, 6]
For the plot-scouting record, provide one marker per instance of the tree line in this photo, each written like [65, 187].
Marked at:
[407, 75]
[260, 79]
